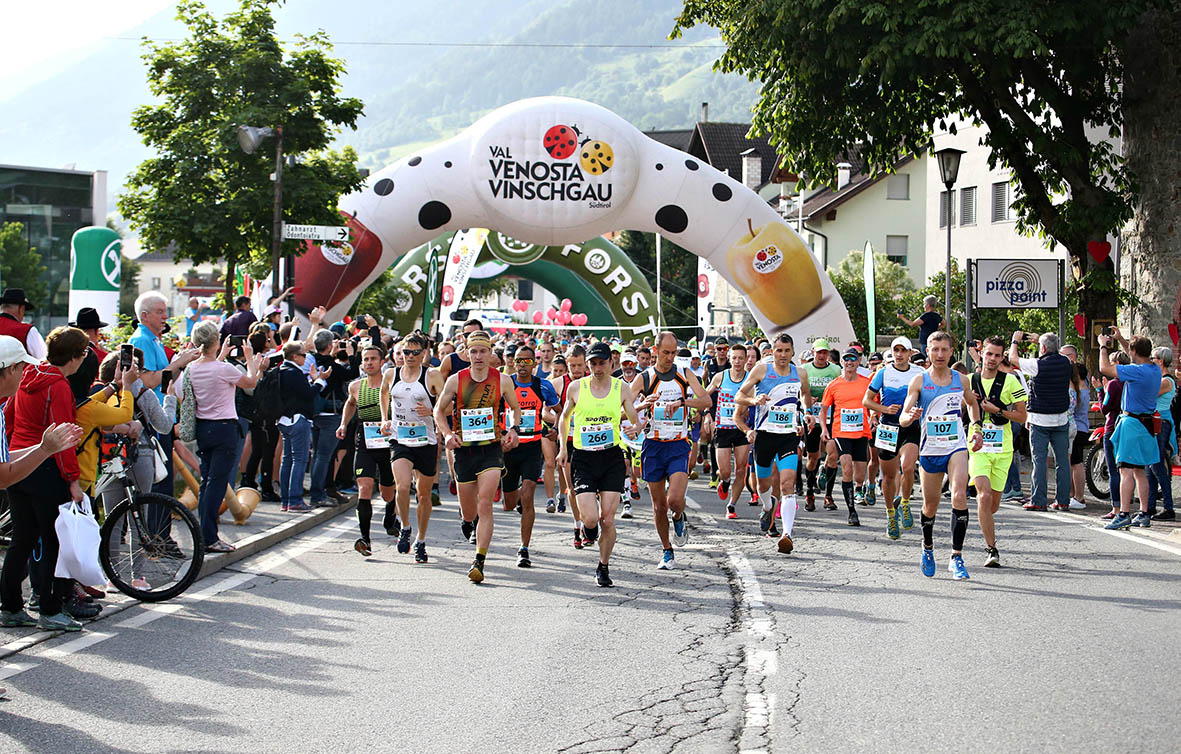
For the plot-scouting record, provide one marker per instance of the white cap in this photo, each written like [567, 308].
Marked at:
[903, 341]
[12, 352]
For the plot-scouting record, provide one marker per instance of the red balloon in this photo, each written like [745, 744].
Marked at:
[498, 330]
[513, 329]
[566, 304]
[537, 318]
[551, 314]
[578, 319]
[564, 317]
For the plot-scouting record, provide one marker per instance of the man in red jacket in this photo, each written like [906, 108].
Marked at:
[43, 399]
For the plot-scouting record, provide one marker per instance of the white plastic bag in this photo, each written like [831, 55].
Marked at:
[77, 538]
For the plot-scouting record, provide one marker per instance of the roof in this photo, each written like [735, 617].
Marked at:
[675, 139]
[722, 144]
[829, 199]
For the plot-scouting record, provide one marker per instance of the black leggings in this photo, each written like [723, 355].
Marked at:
[33, 502]
[264, 436]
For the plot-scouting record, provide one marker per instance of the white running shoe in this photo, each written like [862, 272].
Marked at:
[1077, 505]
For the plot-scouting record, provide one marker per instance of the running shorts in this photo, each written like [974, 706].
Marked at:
[994, 466]
[858, 447]
[660, 459]
[774, 449]
[473, 460]
[938, 464]
[374, 463]
[906, 436]
[1078, 448]
[522, 462]
[595, 471]
[424, 458]
[730, 437]
[813, 439]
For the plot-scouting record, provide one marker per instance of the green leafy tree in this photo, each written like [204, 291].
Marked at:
[201, 190]
[678, 270]
[893, 290]
[20, 264]
[1043, 77]
[383, 299]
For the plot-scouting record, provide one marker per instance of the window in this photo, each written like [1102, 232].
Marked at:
[898, 187]
[155, 284]
[896, 248]
[968, 206]
[1002, 198]
[944, 210]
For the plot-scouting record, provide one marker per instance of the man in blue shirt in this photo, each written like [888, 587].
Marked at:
[1135, 445]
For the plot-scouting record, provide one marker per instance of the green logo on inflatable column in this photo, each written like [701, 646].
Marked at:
[511, 251]
[94, 260]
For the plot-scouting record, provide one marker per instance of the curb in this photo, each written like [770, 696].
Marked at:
[213, 563]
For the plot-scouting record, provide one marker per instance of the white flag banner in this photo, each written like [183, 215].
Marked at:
[461, 258]
[707, 286]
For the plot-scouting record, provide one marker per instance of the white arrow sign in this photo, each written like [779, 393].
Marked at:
[316, 232]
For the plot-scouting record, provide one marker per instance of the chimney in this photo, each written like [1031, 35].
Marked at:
[844, 170]
[705, 112]
[752, 169]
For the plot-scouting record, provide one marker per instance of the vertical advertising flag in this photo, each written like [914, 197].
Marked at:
[434, 257]
[95, 264]
[707, 284]
[461, 258]
[870, 302]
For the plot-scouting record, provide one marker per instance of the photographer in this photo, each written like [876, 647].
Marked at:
[1050, 420]
[928, 322]
[332, 358]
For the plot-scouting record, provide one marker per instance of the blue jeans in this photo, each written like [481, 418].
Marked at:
[1058, 439]
[1112, 469]
[297, 438]
[325, 440]
[218, 446]
[1160, 475]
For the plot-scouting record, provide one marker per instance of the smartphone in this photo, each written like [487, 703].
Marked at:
[294, 334]
[126, 356]
[1107, 332]
[165, 378]
[275, 361]
[237, 340]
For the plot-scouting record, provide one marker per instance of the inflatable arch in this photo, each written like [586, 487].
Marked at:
[597, 276]
[553, 171]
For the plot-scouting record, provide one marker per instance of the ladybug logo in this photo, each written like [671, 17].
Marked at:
[561, 141]
[597, 157]
[702, 286]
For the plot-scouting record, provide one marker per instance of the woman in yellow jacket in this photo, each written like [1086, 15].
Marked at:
[109, 408]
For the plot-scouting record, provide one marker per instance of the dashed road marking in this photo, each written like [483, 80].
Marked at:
[761, 663]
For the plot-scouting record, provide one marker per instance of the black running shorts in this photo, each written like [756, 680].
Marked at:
[730, 437]
[472, 460]
[522, 462]
[906, 436]
[858, 447]
[598, 470]
[374, 463]
[424, 458]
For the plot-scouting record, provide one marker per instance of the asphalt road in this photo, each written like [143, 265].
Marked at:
[842, 646]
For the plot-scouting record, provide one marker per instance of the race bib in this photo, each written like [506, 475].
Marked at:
[726, 414]
[781, 420]
[852, 420]
[636, 445]
[943, 431]
[411, 434]
[475, 424]
[994, 439]
[887, 438]
[596, 436]
[528, 421]
[667, 423]
[374, 439]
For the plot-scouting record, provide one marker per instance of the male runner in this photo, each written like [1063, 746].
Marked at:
[593, 408]
[780, 393]
[820, 372]
[730, 435]
[935, 397]
[1003, 402]
[472, 399]
[549, 446]
[715, 365]
[545, 364]
[372, 448]
[451, 364]
[576, 370]
[665, 456]
[848, 425]
[523, 464]
[407, 416]
[898, 447]
[631, 446]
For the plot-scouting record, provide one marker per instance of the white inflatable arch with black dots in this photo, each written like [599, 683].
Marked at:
[554, 171]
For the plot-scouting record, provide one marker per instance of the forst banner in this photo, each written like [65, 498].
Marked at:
[555, 171]
[707, 285]
[95, 268]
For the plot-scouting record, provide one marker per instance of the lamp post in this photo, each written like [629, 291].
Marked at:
[949, 168]
[249, 139]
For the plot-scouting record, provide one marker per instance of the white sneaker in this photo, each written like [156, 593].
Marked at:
[1077, 505]
[627, 511]
[667, 561]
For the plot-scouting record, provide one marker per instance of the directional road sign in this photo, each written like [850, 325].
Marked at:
[315, 232]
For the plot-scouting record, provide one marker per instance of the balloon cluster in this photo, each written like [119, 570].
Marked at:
[560, 316]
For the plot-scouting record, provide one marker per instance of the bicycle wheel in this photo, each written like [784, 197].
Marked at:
[1098, 478]
[151, 547]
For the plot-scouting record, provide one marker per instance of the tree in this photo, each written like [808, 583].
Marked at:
[678, 270]
[201, 191]
[1044, 78]
[20, 264]
[893, 290]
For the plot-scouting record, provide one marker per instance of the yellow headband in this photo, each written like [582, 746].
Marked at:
[479, 338]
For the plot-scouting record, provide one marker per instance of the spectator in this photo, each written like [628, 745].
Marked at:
[213, 382]
[928, 322]
[110, 406]
[13, 307]
[1135, 446]
[240, 321]
[43, 401]
[89, 323]
[152, 416]
[337, 374]
[295, 425]
[1160, 479]
[264, 433]
[192, 315]
[1049, 417]
[1113, 391]
[1080, 428]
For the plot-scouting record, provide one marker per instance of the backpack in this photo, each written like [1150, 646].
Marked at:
[268, 396]
[994, 395]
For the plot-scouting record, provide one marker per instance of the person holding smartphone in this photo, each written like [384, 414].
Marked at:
[928, 322]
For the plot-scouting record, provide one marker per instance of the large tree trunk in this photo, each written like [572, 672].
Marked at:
[1097, 304]
[229, 281]
[1150, 262]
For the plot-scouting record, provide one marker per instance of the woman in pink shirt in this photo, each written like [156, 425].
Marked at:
[218, 431]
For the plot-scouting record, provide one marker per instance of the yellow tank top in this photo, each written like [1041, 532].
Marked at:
[595, 421]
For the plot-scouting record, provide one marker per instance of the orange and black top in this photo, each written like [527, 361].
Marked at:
[477, 408]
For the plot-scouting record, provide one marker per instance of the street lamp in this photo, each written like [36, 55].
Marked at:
[949, 168]
[249, 139]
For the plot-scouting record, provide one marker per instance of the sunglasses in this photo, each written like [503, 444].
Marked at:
[524, 360]
[411, 351]
[850, 358]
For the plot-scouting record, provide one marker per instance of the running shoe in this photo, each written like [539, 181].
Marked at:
[693, 474]
[1077, 505]
[404, 541]
[362, 547]
[1142, 520]
[1121, 521]
[476, 572]
[59, 622]
[562, 503]
[859, 496]
[994, 558]
[435, 501]
[822, 478]
[467, 529]
[523, 560]
[602, 577]
[635, 490]
[300, 507]
[773, 532]
[667, 561]
[829, 505]
[1059, 506]
[853, 520]
[870, 496]
[627, 510]
[892, 524]
[496, 495]
[140, 583]
[578, 538]
[393, 527]
[724, 489]
[79, 610]
[785, 545]
[754, 498]
[766, 520]
[706, 468]
[551, 505]
[590, 536]
[927, 563]
[1164, 515]
[1032, 506]
[907, 519]
[681, 530]
[810, 502]
[453, 488]
[713, 482]
[1108, 515]
[19, 619]
[731, 512]
[958, 570]
[420, 552]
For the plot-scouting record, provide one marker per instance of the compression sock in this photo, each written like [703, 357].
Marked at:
[928, 524]
[832, 480]
[590, 532]
[847, 490]
[787, 511]
[364, 516]
[768, 500]
[811, 473]
[959, 529]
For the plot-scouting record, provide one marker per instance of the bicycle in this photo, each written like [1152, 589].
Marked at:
[151, 547]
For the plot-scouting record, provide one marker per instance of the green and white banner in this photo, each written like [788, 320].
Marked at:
[94, 271]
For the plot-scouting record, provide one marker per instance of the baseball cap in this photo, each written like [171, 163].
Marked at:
[820, 344]
[627, 358]
[722, 342]
[599, 350]
[12, 352]
[903, 341]
[876, 356]
[616, 348]
[851, 353]
[806, 356]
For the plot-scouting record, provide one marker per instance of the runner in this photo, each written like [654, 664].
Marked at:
[730, 435]
[472, 398]
[372, 455]
[665, 455]
[820, 372]
[898, 447]
[848, 425]
[593, 411]
[1003, 402]
[576, 370]
[631, 446]
[523, 464]
[935, 397]
[780, 393]
[715, 365]
[451, 364]
[875, 462]
[410, 392]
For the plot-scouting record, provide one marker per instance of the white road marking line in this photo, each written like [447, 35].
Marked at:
[9, 669]
[88, 639]
[1075, 519]
[1140, 539]
[761, 663]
